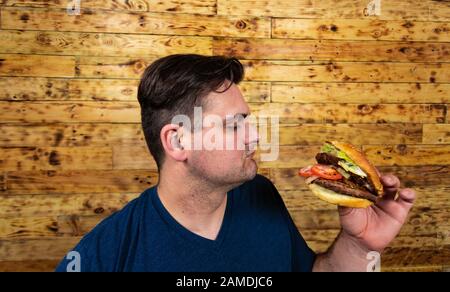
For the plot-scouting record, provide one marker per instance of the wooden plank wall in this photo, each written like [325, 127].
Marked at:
[72, 150]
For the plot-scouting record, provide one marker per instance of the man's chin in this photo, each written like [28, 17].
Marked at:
[251, 169]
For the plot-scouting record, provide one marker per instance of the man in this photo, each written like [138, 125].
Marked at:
[210, 211]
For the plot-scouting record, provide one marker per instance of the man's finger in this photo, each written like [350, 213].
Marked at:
[390, 193]
[407, 196]
[344, 211]
[398, 208]
[390, 181]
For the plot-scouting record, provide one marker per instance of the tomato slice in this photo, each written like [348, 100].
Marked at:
[326, 172]
[305, 171]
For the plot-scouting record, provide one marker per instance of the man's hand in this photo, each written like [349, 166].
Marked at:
[365, 230]
[376, 226]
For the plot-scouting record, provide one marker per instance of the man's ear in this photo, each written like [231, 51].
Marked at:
[170, 136]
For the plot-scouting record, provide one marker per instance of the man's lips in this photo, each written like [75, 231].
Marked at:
[250, 152]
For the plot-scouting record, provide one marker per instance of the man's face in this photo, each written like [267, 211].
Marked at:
[232, 163]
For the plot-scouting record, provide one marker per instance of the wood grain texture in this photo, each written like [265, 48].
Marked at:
[71, 135]
[77, 181]
[169, 6]
[408, 154]
[372, 92]
[82, 204]
[29, 266]
[124, 157]
[36, 249]
[447, 106]
[316, 134]
[62, 89]
[290, 49]
[60, 112]
[136, 22]
[352, 113]
[55, 158]
[37, 65]
[112, 67]
[100, 44]
[270, 70]
[436, 134]
[404, 9]
[360, 29]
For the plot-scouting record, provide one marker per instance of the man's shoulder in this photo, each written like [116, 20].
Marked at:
[100, 248]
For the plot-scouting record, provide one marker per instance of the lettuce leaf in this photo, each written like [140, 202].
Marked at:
[343, 172]
[352, 168]
[328, 148]
[348, 164]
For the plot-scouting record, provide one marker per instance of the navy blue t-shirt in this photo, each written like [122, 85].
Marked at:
[257, 234]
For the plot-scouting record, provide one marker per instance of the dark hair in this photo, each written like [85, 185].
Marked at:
[174, 85]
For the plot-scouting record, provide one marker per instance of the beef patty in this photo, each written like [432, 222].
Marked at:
[325, 158]
[346, 188]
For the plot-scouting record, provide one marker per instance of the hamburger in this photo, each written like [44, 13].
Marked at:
[343, 176]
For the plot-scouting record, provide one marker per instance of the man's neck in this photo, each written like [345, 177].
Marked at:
[195, 204]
